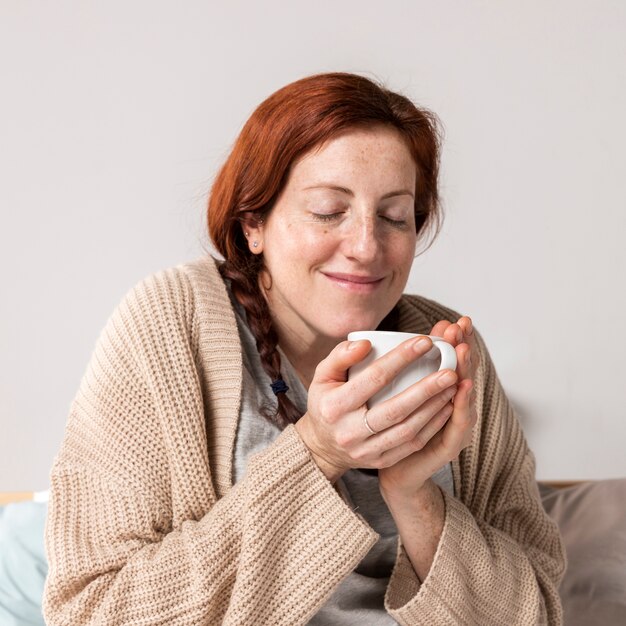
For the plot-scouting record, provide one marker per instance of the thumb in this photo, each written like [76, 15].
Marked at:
[334, 368]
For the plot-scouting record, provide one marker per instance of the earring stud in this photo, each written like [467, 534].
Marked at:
[255, 244]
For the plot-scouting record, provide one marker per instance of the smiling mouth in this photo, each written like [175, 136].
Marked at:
[360, 284]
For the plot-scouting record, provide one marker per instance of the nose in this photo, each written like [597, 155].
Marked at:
[361, 242]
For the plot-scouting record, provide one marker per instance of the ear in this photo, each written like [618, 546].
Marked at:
[253, 232]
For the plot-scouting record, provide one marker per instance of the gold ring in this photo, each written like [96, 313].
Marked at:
[367, 424]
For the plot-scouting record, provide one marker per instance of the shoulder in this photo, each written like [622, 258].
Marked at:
[188, 324]
[179, 314]
[157, 365]
[173, 299]
[180, 285]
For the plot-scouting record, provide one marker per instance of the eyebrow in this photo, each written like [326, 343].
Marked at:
[349, 192]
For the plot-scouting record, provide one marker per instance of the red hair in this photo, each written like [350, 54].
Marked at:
[290, 123]
[298, 118]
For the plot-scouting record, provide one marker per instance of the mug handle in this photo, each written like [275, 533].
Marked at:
[448, 353]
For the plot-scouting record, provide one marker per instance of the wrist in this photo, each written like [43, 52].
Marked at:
[332, 471]
[420, 521]
[410, 500]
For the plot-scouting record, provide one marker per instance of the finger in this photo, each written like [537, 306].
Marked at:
[464, 361]
[469, 337]
[384, 369]
[334, 368]
[418, 399]
[416, 429]
[437, 422]
[446, 444]
[453, 334]
[419, 442]
[466, 325]
[439, 328]
[461, 421]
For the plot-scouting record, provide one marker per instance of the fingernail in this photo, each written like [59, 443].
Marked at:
[420, 343]
[351, 345]
[445, 378]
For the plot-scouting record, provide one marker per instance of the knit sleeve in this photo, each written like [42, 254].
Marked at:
[500, 557]
[135, 533]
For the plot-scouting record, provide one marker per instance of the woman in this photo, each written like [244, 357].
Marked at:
[217, 462]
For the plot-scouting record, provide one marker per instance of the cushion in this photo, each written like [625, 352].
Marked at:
[592, 519]
[23, 566]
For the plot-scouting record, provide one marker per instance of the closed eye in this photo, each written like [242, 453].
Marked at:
[327, 217]
[393, 222]
[332, 217]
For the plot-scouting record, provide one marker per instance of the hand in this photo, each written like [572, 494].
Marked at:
[461, 336]
[335, 426]
[403, 480]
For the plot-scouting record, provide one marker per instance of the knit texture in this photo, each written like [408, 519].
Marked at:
[145, 526]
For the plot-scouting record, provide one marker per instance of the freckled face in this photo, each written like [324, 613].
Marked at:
[340, 240]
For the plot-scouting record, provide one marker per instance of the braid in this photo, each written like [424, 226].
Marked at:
[245, 289]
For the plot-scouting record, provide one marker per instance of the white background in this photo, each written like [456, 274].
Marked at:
[115, 115]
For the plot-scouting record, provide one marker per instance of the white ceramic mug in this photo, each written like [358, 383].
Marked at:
[442, 356]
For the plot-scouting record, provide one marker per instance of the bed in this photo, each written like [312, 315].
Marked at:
[590, 514]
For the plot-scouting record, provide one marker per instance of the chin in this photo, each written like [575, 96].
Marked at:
[341, 328]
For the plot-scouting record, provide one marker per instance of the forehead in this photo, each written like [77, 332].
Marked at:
[378, 153]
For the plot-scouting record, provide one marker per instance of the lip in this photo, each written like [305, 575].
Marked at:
[355, 282]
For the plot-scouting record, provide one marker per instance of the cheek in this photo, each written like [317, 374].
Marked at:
[294, 250]
[311, 247]
[402, 253]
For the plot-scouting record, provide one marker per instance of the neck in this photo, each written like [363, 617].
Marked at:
[304, 353]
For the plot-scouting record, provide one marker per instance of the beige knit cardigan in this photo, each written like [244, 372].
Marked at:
[145, 526]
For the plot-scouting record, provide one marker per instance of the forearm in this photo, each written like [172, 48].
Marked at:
[474, 558]
[107, 569]
[420, 523]
[496, 534]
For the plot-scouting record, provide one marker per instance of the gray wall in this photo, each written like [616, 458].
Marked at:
[115, 115]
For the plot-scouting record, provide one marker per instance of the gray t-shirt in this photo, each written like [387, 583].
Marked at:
[359, 599]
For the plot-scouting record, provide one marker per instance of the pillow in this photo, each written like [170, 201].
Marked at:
[23, 566]
[592, 519]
